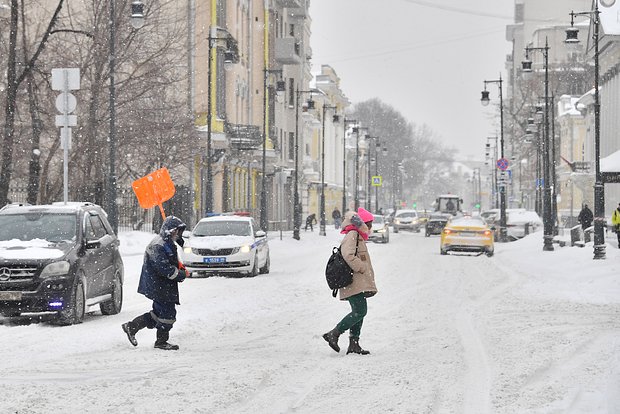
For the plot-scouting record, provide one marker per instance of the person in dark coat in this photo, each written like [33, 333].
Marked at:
[337, 217]
[585, 217]
[310, 220]
[159, 281]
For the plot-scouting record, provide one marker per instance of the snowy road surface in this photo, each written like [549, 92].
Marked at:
[521, 332]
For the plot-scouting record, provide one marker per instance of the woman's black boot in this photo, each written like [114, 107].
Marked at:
[355, 348]
[332, 339]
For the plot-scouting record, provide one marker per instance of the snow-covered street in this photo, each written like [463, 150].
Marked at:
[525, 331]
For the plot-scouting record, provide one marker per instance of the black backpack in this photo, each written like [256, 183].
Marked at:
[338, 273]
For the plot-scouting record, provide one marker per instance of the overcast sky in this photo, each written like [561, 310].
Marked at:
[427, 58]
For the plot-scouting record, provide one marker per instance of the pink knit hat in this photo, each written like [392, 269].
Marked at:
[365, 215]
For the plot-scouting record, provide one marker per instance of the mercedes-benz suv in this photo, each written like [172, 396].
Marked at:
[59, 259]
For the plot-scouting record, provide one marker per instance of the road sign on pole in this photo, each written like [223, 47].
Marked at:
[502, 164]
[377, 180]
[65, 80]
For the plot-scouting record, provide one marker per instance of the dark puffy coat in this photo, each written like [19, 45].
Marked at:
[160, 271]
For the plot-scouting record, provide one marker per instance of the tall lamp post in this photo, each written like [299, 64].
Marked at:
[137, 21]
[322, 205]
[296, 203]
[368, 170]
[280, 87]
[357, 165]
[345, 120]
[230, 56]
[599, 189]
[548, 221]
[502, 187]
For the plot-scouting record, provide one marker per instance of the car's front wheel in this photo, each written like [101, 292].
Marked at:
[114, 305]
[395, 229]
[443, 252]
[74, 311]
[265, 269]
[255, 268]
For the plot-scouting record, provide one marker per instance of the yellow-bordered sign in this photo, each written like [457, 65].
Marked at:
[377, 180]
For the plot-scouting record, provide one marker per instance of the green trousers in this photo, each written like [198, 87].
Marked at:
[354, 320]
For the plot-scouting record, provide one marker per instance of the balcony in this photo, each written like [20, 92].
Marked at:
[298, 13]
[243, 137]
[288, 51]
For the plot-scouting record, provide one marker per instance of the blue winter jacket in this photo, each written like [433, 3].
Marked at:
[160, 271]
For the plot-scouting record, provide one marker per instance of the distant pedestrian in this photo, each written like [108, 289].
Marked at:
[161, 274]
[615, 222]
[337, 217]
[585, 217]
[310, 220]
[356, 227]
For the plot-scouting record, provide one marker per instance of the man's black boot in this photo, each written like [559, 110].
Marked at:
[162, 341]
[131, 328]
[355, 348]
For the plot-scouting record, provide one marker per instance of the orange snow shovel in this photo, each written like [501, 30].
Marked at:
[153, 189]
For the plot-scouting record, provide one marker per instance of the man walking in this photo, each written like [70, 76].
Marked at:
[615, 222]
[337, 217]
[585, 217]
[159, 281]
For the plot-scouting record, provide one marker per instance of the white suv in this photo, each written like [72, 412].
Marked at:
[406, 220]
[226, 244]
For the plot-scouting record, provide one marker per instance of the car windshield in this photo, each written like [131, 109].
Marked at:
[52, 227]
[378, 220]
[222, 228]
[408, 214]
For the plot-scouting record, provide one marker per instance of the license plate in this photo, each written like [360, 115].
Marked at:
[214, 260]
[467, 233]
[10, 295]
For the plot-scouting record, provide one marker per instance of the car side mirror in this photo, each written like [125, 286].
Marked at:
[93, 244]
[260, 233]
[493, 228]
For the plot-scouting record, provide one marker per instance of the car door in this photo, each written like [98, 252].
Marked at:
[99, 255]
[261, 245]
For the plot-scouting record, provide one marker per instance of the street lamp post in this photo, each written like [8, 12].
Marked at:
[548, 222]
[599, 189]
[502, 187]
[357, 165]
[296, 203]
[345, 120]
[264, 219]
[369, 172]
[322, 204]
[137, 21]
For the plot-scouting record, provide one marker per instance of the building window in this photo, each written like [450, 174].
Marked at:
[291, 30]
[291, 146]
[291, 92]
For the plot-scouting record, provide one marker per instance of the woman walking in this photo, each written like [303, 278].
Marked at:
[356, 227]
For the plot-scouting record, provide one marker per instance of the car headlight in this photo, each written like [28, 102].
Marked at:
[187, 250]
[55, 269]
[381, 230]
[245, 248]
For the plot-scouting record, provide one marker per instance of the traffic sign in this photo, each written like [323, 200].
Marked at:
[502, 164]
[377, 180]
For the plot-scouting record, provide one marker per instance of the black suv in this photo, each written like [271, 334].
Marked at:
[59, 258]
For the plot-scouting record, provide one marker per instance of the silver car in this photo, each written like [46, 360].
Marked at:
[226, 245]
[406, 220]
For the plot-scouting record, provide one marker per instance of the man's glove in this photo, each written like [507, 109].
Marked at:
[183, 272]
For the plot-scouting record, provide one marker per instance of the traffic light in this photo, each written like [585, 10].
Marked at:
[478, 206]
[415, 204]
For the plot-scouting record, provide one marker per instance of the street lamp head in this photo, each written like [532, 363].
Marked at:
[527, 65]
[280, 87]
[385, 151]
[572, 35]
[484, 100]
[310, 104]
[229, 60]
[336, 118]
[137, 14]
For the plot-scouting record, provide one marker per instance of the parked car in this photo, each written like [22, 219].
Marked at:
[435, 224]
[406, 220]
[521, 223]
[467, 234]
[59, 259]
[227, 244]
[380, 230]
